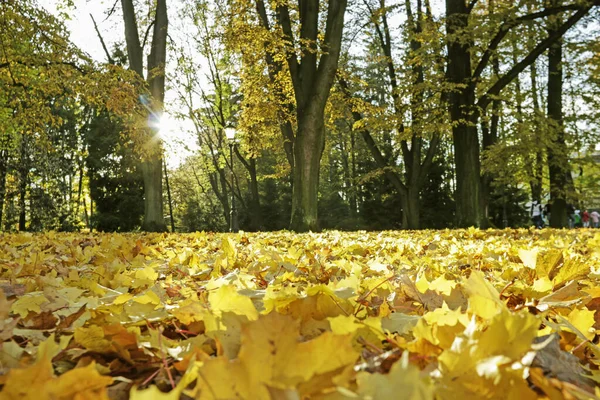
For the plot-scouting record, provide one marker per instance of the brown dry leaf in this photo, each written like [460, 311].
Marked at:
[430, 299]
[11, 290]
[557, 363]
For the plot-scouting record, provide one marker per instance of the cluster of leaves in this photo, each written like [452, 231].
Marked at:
[415, 315]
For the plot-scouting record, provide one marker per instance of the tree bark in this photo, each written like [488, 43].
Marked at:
[464, 118]
[23, 182]
[3, 173]
[463, 107]
[151, 165]
[411, 208]
[537, 170]
[312, 82]
[558, 163]
[308, 149]
[254, 209]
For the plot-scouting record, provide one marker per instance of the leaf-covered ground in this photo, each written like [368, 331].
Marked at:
[392, 315]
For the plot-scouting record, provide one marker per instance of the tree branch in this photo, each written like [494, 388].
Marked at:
[331, 48]
[508, 77]
[380, 160]
[508, 25]
[241, 157]
[147, 33]
[309, 29]
[44, 65]
[108, 57]
[283, 17]
[433, 146]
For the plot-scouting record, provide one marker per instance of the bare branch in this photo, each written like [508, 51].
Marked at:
[108, 57]
[508, 77]
[508, 25]
[146, 34]
[112, 10]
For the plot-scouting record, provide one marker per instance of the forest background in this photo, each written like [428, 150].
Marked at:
[358, 115]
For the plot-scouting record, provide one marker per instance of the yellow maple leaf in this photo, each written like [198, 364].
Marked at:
[403, 382]
[583, 320]
[189, 310]
[571, 269]
[29, 302]
[542, 285]
[271, 356]
[38, 382]
[529, 257]
[484, 299]
[227, 299]
[442, 285]
[547, 263]
[483, 358]
[92, 338]
[29, 383]
[80, 384]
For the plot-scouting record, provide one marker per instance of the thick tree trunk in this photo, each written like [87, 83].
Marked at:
[411, 209]
[463, 117]
[152, 163]
[558, 163]
[310, 142]
[153, 205]
[312, 79]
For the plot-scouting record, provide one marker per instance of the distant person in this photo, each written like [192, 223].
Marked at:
[577, 219]
[571, 215]
[536, 215]
[546, 214]
[595, 218]
[585, 218]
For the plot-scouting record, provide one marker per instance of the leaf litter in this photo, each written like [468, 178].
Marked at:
[354, 315]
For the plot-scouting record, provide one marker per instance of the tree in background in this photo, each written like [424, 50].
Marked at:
[115, 179]
[300, 45]
[152, 165]
[467, 102]
[45, 82]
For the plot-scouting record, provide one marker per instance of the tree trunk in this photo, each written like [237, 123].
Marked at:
[558, 163]
[462, 114]
[310, 142]
[169, 197]
[256, 219]
[23, 182]
[411, 209]
[538, 168]
[3, 172]
[152, 163]
[312, 79]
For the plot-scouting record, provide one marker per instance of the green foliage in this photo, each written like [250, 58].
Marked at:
[115, 181]
[437, 204]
